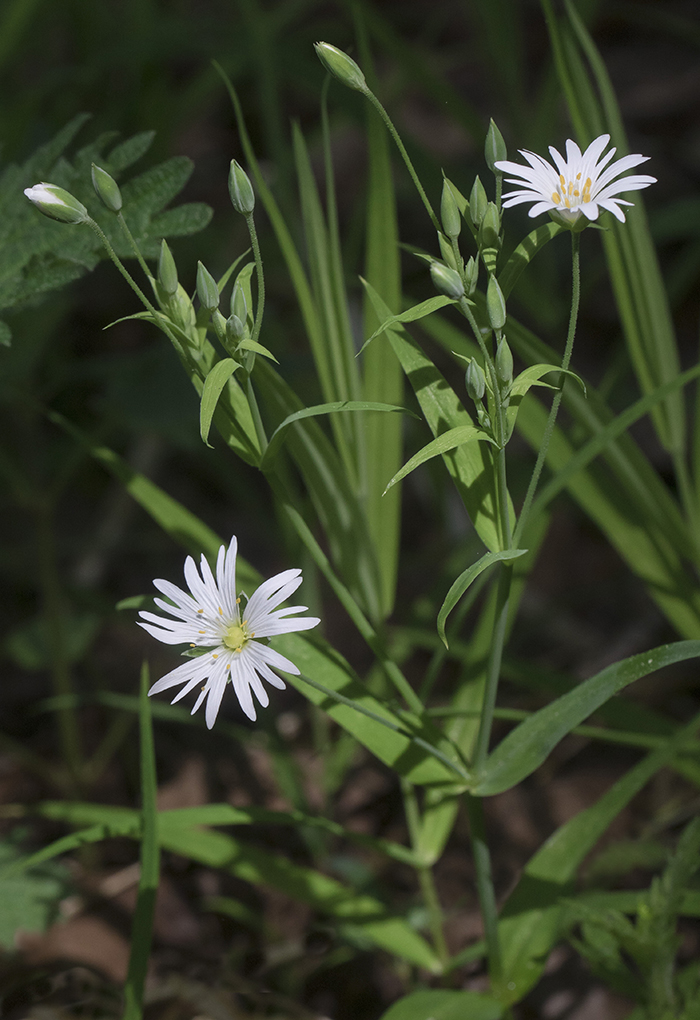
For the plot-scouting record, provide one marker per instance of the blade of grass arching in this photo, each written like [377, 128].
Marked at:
[142, 929]
[529, 921]
[382, 377]
[501, 43]
[334, 356]
[634, 271]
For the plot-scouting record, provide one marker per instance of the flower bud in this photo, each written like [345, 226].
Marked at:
[235, 329]
[207, 291]
[449, 211]
[494, 148]
[106, 188]
[240, 189]
[448, 255]
[478, 203]
[56, 203]
[167, 270]
[504, 361]
[495, 304]
[447, 281]
[475, 381]
[341, 66]
[471, 275]
[239, 305]
[490, 229]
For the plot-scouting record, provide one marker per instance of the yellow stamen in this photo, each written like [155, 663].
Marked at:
[221, 612]
[200, 610]
[556, 197]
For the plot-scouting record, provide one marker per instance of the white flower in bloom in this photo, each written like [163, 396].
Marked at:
[210, 618]
[579, 184]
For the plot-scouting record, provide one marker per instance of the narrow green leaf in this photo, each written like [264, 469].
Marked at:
[529, 744]
[532, 377]
[445, 442]
[413, 314]
[525, 252]
[277, 436]
[465, 579]
[213, 385]
[251, 345]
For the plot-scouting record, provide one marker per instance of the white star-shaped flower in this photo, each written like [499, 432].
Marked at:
[210, 618]
[583, 183]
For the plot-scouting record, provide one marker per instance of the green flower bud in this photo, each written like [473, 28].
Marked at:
[239, 305]
[235, 329]
[504, 362]
[167, 270]
[495, 304]
[478, 203]
[495, 147]
[447, 281]
[475, 381]
[107, 189]
[341, 66]
[449, 211]
[241, 190]
[490, 229]
[448, 255]
[207, 291]
[471, 275]
[57, 204]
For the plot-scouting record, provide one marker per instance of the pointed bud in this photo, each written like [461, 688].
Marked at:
[235, 330]
[239, 305]
[478, 202]
[448, 255]
[447, 281]
[471, 275]
[207, 291]
[490, 229]
[107, 189]
[167, 270]
[475, 381]
[504, 362]
[240, 189]
[495, 304]
[57, 204]
[449, 211]
[341, 66]
[494, 148]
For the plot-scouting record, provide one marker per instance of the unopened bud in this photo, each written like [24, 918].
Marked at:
[475, 381]
[235, 329]
[207, 291]
[504, 362]
[490, 229]
[471, 275]
[57, 203]
[341, 66]
[240, 189]
[106, 188]
[239, 305]
[447, 281]
[495, 304]
[167, 270]
[478, 202]
[446, 250]
[449, 211]
[494, 147]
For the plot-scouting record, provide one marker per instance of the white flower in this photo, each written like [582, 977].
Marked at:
[57, 203]
[579, 184]
[210, 618]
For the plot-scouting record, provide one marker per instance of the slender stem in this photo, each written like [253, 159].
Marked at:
[493, 673]
[257, 417]
[425, 874]
[551, 420]
[134, 246]
[122, 268]
[404, 155]
[484, 887]
[250, 223]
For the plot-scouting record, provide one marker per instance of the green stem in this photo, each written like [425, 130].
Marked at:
[425, 875]
[122, 268]
[484, 887]
[404, 155]
[134, 246]
[551, 420]
[250, 223]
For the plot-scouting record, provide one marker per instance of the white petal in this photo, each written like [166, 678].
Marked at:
[240, 678]
[255, 653]
[168, 637]
[197, 669]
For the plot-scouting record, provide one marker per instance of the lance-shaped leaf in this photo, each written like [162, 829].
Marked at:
[213, 385]
[525, 252]
[465, 579]
[529, 744]
[531, 377]
[442, 444]
[413, 314]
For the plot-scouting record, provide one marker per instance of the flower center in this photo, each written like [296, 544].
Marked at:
[572, 194]
[237, 636]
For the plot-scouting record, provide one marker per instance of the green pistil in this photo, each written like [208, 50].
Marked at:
[236, 637]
